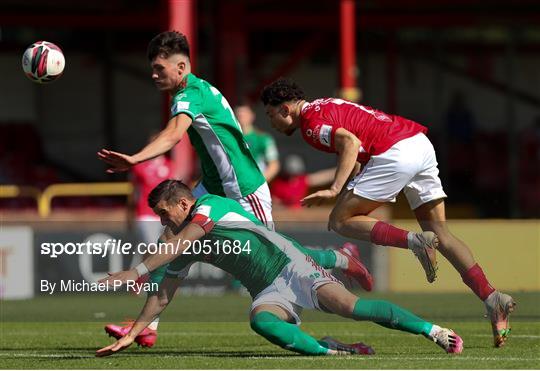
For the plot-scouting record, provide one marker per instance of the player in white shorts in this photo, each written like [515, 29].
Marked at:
[395, 155]
[279, 277]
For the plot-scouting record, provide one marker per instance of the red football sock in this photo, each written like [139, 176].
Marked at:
[477, 281]
[388, 235]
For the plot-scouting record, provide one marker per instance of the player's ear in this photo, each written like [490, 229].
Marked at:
[181, 66]
[184, 204]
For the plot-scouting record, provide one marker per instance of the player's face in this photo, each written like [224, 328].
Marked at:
[167, 73]
[172, 215]
[280, 118]
[245, 116]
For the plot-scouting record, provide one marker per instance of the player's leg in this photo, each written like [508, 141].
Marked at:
[381, 179]
[425, 195]
[276, 325]
[345, 258]
[335, 298]
[431, 216]
[259, 203]
[350, 218]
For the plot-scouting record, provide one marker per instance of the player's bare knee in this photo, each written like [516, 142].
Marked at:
[334, 224]
[349, 309]
[445, 241]
[336, 221]
[337, 299]
[344, 307]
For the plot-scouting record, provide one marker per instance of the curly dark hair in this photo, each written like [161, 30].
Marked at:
[280, 91]
[170, 190]
[168, 43]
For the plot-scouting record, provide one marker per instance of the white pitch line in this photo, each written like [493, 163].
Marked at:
[335, 358]
[227, 334]
[382, 358]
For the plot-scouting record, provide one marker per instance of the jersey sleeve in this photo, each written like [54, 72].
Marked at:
[189, 101]
[207, 213]
[270, 149]
[320, 134]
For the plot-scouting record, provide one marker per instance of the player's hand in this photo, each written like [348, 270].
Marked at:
[319, 197]
[119, 278]
[116, 347]
[118, 161]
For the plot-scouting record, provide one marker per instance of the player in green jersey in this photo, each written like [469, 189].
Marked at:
[228, 168]
[262, 145]
[280, 279]
[198, 108]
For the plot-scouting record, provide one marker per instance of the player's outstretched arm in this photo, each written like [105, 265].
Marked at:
[347, 146]
[155, 304]
[164, 142]
[175, 246]
[166, 139]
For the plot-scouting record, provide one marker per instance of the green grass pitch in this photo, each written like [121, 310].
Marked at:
[213, 333]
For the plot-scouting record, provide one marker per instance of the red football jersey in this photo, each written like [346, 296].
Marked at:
[146, 176]
[376, 130]
[290, 191]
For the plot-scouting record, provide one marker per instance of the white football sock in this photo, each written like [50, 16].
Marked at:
[410, 239]
[434, 330]
[154, 324]
[341, 261]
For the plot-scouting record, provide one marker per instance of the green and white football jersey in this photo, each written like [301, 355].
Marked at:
[256, 255]
[262, 147]
[228, 168]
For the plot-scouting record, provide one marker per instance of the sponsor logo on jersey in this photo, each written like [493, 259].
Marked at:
[309, 132]
[179, 106]
[382, 117]
[325, 134]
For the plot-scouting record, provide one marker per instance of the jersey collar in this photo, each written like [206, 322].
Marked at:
[304, 107]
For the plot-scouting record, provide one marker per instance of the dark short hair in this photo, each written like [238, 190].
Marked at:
[166, 44]
[280, 91]
[170, 190]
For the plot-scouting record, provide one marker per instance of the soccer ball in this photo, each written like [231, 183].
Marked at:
[43, 62]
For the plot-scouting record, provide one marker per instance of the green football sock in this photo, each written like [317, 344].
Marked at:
[325, 258]
[391, 316]
[286, 335]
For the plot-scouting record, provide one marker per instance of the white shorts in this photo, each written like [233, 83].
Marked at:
[410, 164]
[296, 287]
[259, 203]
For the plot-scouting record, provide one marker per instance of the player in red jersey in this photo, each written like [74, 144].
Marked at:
[395, 155]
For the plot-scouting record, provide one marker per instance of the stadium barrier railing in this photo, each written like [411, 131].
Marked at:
[44, 198]
[15, 191]
[81, 189]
